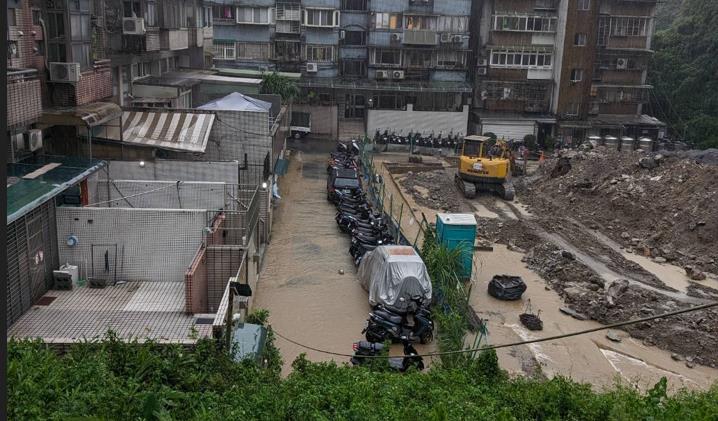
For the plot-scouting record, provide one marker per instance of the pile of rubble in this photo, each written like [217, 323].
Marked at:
[434, 189]
[658, 205]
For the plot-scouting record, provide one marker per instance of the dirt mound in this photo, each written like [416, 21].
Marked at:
[657, 205]
[434, 189]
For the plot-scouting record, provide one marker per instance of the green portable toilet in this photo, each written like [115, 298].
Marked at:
[458, 230]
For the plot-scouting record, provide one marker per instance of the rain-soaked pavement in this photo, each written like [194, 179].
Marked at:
[308, 300]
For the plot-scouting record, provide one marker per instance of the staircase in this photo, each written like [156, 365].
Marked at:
[351, 129]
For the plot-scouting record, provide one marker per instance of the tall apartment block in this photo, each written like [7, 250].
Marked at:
[364, 65]
[563, 68]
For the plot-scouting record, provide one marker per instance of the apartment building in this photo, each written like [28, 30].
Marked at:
[563, 68]
[364, 65]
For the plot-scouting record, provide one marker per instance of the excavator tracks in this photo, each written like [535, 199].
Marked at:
[467, 189]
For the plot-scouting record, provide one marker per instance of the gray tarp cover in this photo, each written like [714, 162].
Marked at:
[391, 272]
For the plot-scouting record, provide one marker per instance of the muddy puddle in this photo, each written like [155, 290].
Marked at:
[309, 301]
[583, 358]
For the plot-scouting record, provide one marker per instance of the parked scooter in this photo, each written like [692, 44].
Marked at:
[411, 358]
[388, 324]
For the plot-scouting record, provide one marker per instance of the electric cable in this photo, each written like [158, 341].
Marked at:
[512, 344]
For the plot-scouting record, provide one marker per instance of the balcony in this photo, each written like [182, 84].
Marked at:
[24, 99]
[420, 37]
[174, 39]
[621, 94]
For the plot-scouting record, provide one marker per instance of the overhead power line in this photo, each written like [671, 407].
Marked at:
[512, 344]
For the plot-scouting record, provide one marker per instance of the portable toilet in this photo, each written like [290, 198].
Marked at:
[458, 230]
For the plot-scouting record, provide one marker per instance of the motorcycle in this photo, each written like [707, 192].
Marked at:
[411, 358]
[385, 323]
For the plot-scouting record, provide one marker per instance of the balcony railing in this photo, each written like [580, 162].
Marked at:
[24, 101]
[420, 37]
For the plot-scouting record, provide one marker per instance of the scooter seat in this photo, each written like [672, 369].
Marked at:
[388, 316]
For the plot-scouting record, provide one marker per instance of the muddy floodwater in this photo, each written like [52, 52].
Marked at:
[309, 301]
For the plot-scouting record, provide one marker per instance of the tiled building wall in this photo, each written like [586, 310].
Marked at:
[93, 86]
[26, 42]
[24, 102]
[161, 169]
[152, 245]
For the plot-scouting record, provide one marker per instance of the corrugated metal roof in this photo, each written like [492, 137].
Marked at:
[174, 130]
[57, 174]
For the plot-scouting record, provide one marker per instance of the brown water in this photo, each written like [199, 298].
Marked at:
[308, 300]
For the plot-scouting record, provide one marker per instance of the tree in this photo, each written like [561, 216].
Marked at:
[683, 73]
[274, 83]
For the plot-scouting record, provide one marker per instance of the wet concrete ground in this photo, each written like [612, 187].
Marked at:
[308, 300]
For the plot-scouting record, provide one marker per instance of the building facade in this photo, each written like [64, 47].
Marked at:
[565, 69]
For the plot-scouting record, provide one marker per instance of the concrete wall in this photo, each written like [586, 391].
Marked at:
[324, 119]
[171, 170]
[152, 245]
[159, 195]
[422, 121]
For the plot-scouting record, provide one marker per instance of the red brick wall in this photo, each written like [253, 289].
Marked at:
[24, 102]
[195, 292]
[93, 86]
[28, 58]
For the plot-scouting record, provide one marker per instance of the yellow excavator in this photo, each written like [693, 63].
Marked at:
[484, 166]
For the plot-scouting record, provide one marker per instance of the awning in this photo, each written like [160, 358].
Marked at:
[173, 130]
[280, 167]
[89, 115]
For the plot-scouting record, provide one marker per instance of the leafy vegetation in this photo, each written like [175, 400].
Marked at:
[274, 83]
[111, 380]
[683, 73]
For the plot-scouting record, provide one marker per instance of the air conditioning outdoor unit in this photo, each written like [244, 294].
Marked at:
[483, 62]
[622, 64]
[382, 74]
[312, 67]
[396, 37]
[64, 72]
[445, 37]
[133, 26]
[397, 74]
[34, 140]
[457, 39]
[19, 141]
[482, 71]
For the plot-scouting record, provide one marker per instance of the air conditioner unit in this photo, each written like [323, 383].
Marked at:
[445, 37]
[457, 39]
[19, 141]
[64, 72]
[382, 74]
[622, 64]
[34, 140]
[482, 71]
[133, 26]
[312, 67]
[397, 74]
[396, 37]
[342, 34]
[483, 62]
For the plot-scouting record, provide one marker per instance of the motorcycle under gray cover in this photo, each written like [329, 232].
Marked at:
[391, 272]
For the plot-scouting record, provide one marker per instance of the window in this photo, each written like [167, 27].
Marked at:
[223, 12]
[11, 17]
[287, 50]
[354, 38]
[524, 23]
[573, 108]
[418, 59]
[151, 14]
[354, 68]
[629, 27]
[206, 16]
[386, 57]
[224, 50]
[387, 21]
[388, 102]
[354, 4]
[56, 46]
[521, 59]
[584, 4]
[39, 48]
[250, 51]
[13, 51]
[580, 39]
[576, 75]
[452, 23]
[132, 9]
[320, 53]
[36, 17]
[420, 23]
[451, 59]
[321, 17]
[253, 15]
